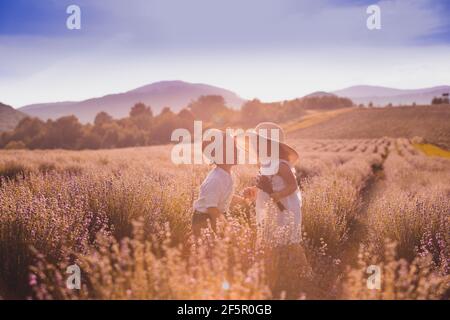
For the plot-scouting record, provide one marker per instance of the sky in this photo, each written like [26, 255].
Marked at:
[266, 49]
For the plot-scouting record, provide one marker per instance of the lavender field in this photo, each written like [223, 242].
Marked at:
[123, 216]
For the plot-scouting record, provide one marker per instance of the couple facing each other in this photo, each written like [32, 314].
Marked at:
[277, 196]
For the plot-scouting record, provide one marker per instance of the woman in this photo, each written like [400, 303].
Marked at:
[278, 211]
[278, 198]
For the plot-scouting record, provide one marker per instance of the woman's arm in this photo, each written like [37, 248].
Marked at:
[288, 177]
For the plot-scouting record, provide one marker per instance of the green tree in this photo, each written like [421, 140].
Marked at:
[253, 112]
[207, 107]
[65, 132]
[140, 109]
[142, 116]
[102, 118]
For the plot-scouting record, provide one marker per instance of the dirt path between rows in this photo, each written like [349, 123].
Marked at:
[359, 228]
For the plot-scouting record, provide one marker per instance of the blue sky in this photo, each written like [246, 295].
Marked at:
[271, 49]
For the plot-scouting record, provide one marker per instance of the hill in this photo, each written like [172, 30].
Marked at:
[382, 96]
[175, 94]
[320, 94]
[9, 117]
[429, 122]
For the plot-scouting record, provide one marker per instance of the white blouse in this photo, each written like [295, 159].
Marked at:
[274, 225]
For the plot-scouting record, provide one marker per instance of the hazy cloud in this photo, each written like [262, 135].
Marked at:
[249, 46]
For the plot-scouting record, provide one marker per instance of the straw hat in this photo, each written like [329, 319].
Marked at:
[264, 130]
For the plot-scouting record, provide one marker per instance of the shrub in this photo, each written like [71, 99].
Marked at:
[13, 170]
[15, 145]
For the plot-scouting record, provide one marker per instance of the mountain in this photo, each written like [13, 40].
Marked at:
[174, 94]
[382, 96]
[319, 94]
[9, 117]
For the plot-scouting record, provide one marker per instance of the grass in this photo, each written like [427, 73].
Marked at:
[313, 118]
[13, 170]
[428, 122]
[432, 150]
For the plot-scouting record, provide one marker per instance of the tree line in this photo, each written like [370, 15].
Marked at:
[142, 127]
[441, 100]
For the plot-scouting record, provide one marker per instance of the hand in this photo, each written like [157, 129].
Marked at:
[250, 193]
[264, 183]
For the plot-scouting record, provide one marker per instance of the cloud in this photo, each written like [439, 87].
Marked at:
[235, 24]
[250, 46]
[270, 24]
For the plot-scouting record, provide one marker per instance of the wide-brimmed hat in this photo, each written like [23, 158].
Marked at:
[265, 130]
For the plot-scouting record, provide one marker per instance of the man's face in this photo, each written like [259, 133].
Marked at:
[231, 151]
[229, 154]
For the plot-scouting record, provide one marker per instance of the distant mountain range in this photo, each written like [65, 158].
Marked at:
[174, 94]
[9, 117]
[382, 96]
[178, 94]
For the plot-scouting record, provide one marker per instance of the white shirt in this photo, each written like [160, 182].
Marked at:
[215, 191]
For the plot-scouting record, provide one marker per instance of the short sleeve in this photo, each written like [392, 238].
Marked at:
[211, 193]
